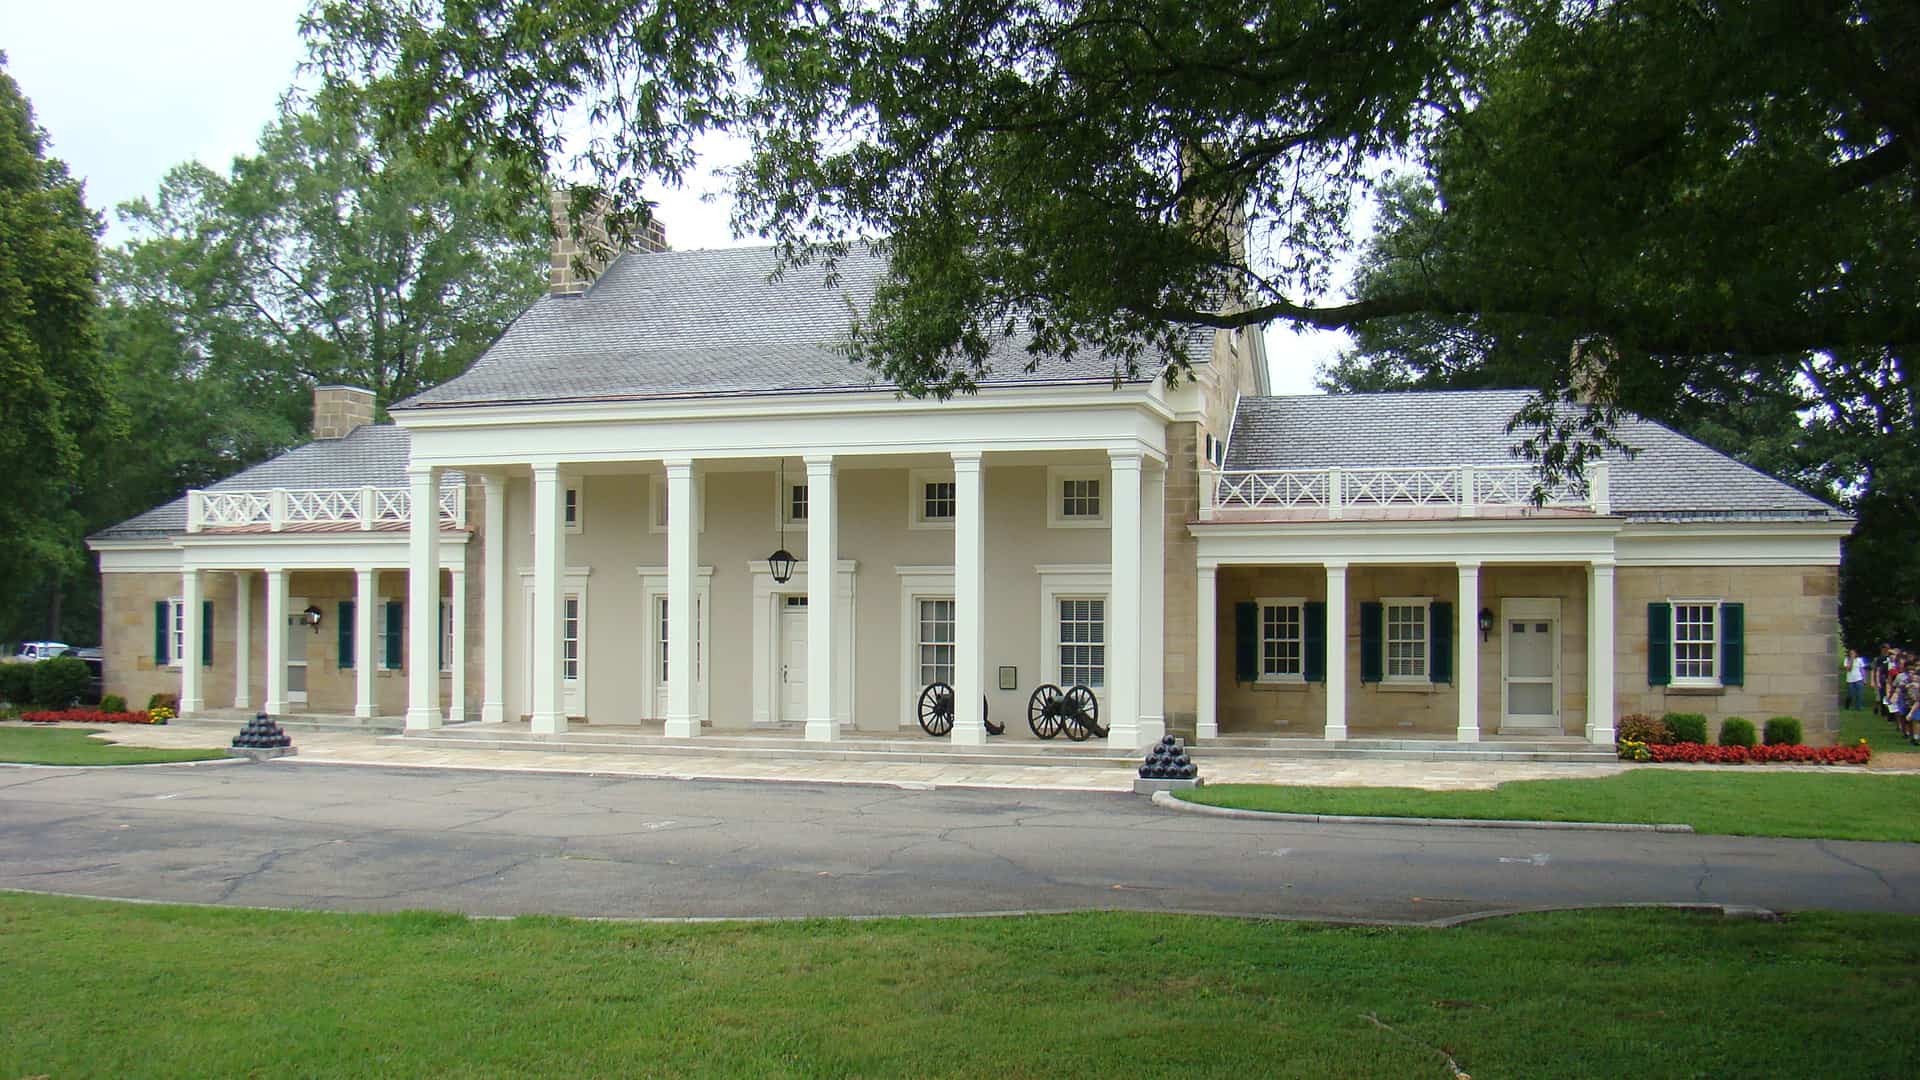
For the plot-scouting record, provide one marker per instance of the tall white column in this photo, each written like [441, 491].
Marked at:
[683, 564]
[1153, 604]
[242, 640]
[276, 702]
[457, 648]
[823, 553]
[423, 599]
[365, 599]
[191, 699]
[549, 714]
[493, 601]
[1124, 605]
[1336, 652]
[969, 599]
[1206, 661]
[1466, 650]
[1600, 652]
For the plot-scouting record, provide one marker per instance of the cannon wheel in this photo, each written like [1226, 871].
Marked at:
[936, 709]
[1043, 710]
[1082, 715]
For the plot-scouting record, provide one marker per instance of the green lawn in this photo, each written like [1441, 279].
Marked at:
[104, 989]
[73, 746]
[1857, 724]
[1736, 800]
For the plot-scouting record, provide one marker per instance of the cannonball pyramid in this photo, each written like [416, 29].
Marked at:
[1168, 760]
[261, 733]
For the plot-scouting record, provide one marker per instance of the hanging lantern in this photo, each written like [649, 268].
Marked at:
[781, 563]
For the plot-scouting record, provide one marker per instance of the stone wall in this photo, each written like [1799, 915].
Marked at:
[338, 410]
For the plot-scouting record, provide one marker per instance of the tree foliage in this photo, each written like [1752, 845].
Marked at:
[52, 387]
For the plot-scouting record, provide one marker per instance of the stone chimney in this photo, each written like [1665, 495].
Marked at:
[337, 410]
[1590, 370]
[574, 264]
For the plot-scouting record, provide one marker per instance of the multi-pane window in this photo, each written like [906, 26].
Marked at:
[936, 642]
[937, 500]
[1080, 498]
[570, 638]
[1696, 641]
[177, 630]
[1406, 640]
[1281, 639]
[572, 509]
[797, 502]
[660, 639]
[446, 636]
[1083, 642]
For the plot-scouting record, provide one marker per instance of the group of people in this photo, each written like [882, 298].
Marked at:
[1893, 678]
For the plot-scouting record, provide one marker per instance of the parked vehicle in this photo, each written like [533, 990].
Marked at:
[96, 671]
[31, 651]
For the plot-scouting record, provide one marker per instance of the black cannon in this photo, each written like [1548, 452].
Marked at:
[936, 711]
[1075, 711]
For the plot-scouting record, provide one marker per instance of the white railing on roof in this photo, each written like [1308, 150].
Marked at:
[279, 509]
[1462, 489]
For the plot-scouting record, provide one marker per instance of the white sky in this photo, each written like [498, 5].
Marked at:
[126, 89]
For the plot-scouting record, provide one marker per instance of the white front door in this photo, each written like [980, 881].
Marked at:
[793, 659]
[297, 632]
[1532, 692]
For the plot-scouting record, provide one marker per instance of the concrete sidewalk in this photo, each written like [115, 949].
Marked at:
[366, 748]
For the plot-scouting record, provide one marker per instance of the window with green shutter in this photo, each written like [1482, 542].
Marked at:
[1733, 644]
[1659, 644]
[162, 631]
[1316, 635]
[1246, 641]
[1372, 639]
[396, 632]
[344, 642]
[1440, 634]
[206, 633]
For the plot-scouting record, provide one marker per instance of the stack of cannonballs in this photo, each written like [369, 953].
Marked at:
[1168, 760]
[261, 733]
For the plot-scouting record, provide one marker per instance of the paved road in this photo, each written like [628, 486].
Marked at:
[337, 837]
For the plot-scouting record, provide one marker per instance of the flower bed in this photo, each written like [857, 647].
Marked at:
[92, 716]
[1699, 753]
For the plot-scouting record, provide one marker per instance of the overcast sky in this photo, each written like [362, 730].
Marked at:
[129, 88]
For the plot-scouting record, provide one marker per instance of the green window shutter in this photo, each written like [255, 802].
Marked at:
[1373, 622]
[1313, 661]
[1440, 641]
[396, 629]
[344, 632]
[1733, 644]
[206, 633]
[1246, 641]
[1659, 644]
[162, 613]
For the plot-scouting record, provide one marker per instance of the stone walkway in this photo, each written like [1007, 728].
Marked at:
[357, 748]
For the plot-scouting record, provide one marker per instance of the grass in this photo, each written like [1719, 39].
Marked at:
[75, 746]
[106, 989]
[1734, 801]
[1857, 724]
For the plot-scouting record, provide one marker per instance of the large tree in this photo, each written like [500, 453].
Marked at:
[52, 394]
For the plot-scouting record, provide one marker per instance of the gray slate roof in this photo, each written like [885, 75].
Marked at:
[375, 454]
[709, 323]
[1671, 478]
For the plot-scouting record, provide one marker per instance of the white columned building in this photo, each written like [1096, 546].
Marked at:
[683, 564]
[423, 598]
[493, 678]
[549, 714]
[970, 598]
[823, 556]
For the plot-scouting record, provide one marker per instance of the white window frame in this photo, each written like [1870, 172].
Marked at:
[1058, 644]
[1299, 606]
[177, 630]
[783, 498]
[1425, 605]
[1714, 641]
[573, 585]
[921, 644]
[657, 504]
[918, 583]
[654, 590]
[446, 636]
[1069, 581]
[917, 481]
[574, 498]
[1057, 479]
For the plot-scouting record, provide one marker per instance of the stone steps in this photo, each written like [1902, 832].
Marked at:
[1091, 755]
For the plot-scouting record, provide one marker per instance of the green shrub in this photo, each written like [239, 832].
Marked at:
[16, 683]
[1736, 731]
[171, 701]
[1782, 731]
[60, 681]
[1641, 728]
[113, 703]
[1686, 727]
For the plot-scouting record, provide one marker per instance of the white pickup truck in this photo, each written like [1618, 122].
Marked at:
[31, 651]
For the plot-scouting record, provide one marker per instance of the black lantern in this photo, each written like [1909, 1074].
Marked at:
[780, 564]
[311, 617]
[1486, 623]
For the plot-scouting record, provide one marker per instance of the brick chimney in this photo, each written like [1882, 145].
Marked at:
[337, 410]
[573, 265]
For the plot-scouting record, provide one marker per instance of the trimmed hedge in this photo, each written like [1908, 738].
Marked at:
[1641, 728]
[1782, 731]
[16, 683]
[60, 681]
[113, 703]
[1687, 727]
[1736, 731]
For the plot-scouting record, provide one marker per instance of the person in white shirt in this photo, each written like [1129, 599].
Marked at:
[1856, 680]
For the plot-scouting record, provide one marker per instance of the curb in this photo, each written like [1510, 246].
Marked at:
[1166, 799]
